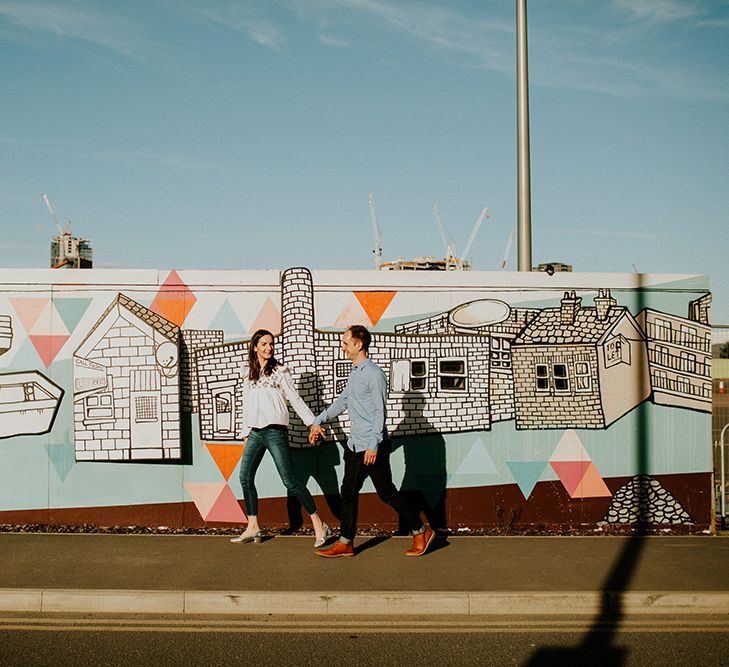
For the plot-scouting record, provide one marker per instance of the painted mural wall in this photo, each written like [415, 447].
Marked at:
[514, 399]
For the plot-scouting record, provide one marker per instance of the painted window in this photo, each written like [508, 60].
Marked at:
[688, 362]
[341, 375]
[583, 380]
[99, 407]
[146, 408]
[408, 375]
[500, 353]
[452, 374]
[418, 374]
[663, 329]
[542, 377]
[688, 335]
[561, 380]
[662, 355]
[661, 379]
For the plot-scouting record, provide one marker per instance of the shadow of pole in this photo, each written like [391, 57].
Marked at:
[598, 646]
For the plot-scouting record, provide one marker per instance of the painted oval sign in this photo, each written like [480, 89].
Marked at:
[479, 313]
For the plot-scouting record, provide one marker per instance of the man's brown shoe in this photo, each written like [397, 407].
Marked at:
[421, 542]
[338, 549]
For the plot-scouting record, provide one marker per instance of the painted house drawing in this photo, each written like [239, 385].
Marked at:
[679, 352]
[29, 402]
[579, 367]
[126, 387]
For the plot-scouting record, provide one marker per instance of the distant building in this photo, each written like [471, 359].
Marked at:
[553, 267]
[71, 252]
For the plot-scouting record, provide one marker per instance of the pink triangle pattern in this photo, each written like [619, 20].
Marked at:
[570, 473]
[48, 347]
[269, 317]
[353, 313]
[226, 508]
[204, 495]
[29, 310]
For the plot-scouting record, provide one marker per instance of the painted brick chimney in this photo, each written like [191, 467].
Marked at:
[570, 304]
[603, 303]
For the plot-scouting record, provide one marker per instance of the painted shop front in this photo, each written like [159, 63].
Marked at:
[515, 400]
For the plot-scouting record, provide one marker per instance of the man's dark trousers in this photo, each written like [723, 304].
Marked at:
[355, 473]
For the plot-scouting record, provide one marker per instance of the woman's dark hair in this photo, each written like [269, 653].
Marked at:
[254, 368]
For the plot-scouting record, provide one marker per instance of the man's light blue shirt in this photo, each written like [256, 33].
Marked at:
[365, 396]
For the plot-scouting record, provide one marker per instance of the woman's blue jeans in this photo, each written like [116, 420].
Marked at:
[275, 439]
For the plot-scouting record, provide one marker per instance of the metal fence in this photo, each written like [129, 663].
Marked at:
[721, 461]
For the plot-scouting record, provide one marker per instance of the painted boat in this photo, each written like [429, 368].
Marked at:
[6, 333]
[29, 402]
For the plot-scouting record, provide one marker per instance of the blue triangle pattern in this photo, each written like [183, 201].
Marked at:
[527, 474]
[71, 310]
[228, 321]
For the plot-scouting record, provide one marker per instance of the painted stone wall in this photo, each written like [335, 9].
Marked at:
[514, 399]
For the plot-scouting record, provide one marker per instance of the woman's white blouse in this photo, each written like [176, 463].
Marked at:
[264, 401]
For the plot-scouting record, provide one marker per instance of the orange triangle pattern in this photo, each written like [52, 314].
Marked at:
[592, 485]
[29, 310]
[48, 347]
[375, 303]
[226, 508]
[175, 300]
[226, 457]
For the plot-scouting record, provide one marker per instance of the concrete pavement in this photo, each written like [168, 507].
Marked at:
[202, 574]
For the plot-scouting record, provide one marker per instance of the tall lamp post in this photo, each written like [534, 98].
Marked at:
[524, 230]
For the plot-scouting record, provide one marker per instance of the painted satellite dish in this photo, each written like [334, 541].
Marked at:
[479, 313]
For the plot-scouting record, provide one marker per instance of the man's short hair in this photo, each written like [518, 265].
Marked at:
[360, 333]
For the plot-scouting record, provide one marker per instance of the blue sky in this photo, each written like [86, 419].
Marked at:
[221, 134]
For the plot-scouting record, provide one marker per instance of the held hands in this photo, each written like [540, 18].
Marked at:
[316, 432]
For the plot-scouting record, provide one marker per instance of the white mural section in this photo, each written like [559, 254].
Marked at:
[126, 387]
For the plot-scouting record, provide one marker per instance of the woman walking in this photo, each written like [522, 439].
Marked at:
[266, 390]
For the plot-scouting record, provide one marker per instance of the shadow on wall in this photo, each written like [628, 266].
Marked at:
[598, 646]
[424, 482]
[317, 463]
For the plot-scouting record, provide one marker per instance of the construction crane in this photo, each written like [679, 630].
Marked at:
[449, 245]
[377, 251]
[452, 261]
[479, 221]
[507, 250]
[61, 232]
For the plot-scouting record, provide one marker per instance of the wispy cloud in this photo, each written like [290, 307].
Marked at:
[442, 28]
[336, 42]
[75, 22]
[661, 10]
[242, 18]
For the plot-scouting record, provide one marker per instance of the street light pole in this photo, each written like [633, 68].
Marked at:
[524, 231]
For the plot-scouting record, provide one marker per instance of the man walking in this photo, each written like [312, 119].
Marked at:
[367, 451]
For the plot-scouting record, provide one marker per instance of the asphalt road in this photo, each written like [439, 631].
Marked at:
[131, 641]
